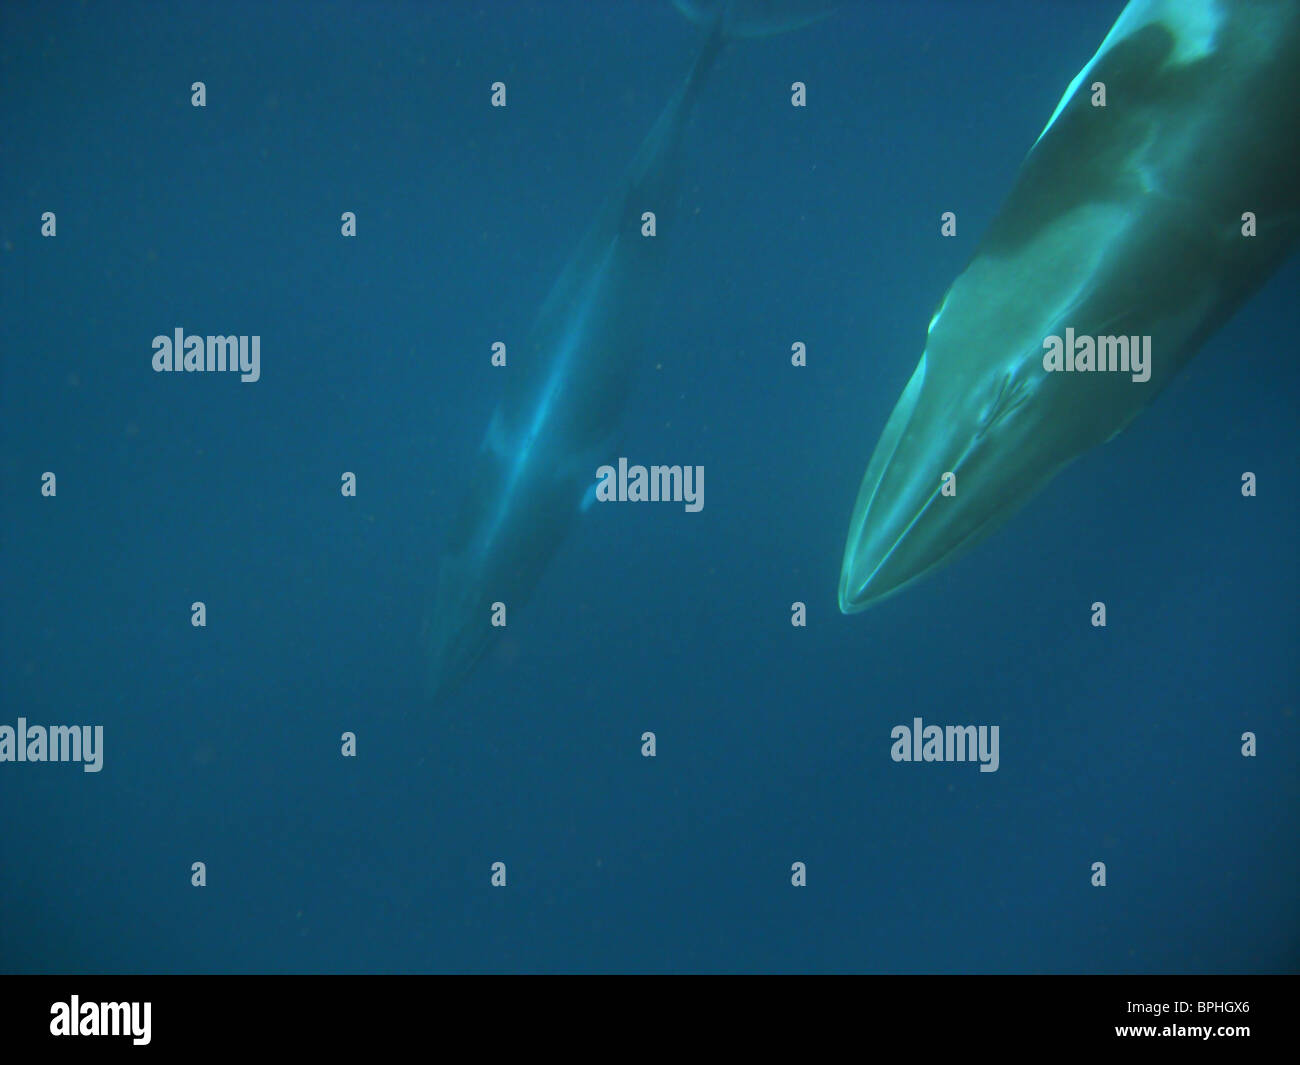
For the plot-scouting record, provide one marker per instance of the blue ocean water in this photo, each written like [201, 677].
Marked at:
[222, 744]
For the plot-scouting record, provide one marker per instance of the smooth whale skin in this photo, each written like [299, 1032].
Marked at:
[1125, 220]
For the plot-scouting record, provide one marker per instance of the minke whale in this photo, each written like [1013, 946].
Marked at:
[567, 386]
[1127, 222]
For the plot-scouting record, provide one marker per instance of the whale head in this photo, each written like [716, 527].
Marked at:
[950, 466]
[518, 509]
[980, 427]
[457, 633]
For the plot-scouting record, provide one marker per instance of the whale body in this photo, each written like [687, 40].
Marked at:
[569, 384]
[1128, 222]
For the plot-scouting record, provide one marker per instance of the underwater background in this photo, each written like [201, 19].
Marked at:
[819, 224]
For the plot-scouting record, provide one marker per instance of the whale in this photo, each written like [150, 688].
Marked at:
[567, 387]
[1162, 192]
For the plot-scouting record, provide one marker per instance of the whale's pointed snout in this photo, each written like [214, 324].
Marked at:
[904, 521]
[955, 459]
[875, 554]
[456, 631]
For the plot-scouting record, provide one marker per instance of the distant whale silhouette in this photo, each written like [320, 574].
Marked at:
[567, 388]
